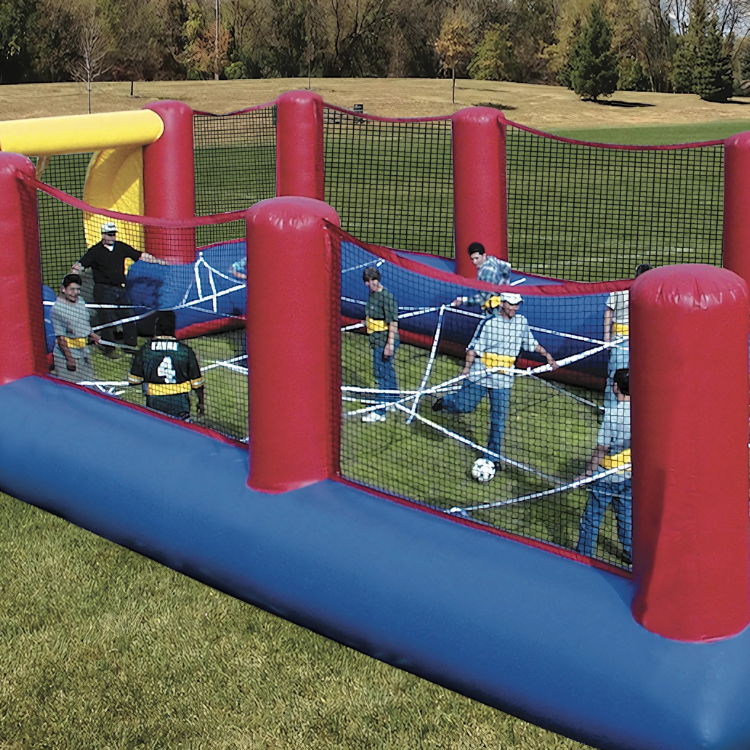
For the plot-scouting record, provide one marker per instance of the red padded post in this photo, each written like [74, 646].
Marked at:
[480, 200]
[689, 387]
[300, 167]
[736, 200]
[291, 342]
[169, 182]
[22, 349]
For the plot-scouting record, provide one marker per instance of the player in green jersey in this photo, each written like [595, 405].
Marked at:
[168, 370]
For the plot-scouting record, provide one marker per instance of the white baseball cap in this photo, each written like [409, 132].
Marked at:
[513, 299]
[108, 227]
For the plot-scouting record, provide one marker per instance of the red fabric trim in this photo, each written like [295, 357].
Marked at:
[546, 547]
[613, 146]
[237, 112]
[376, 118]
[148, 221]
[208, 327]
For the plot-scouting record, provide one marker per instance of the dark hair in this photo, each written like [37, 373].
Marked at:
[71, 278]
[641, 268]
[622, 379]
[371, 274]
[164, 324]
[476, 247]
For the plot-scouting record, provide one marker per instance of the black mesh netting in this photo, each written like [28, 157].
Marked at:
[391, 182]
[590, 213]
[106, 340]
[235, 163]
[507, 442]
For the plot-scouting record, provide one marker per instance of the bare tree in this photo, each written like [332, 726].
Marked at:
[94, 50]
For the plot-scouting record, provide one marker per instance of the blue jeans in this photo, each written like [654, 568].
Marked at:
[468, 398]
[601, 495]
[385, 374]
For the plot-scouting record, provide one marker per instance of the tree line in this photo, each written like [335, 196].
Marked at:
[656, 45]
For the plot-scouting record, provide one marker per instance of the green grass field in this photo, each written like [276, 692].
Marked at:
[102, 648]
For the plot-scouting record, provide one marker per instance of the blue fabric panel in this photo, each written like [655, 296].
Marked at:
[537, 635]
[579, 315]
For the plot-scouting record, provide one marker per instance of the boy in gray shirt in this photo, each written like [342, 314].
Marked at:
[72, 327]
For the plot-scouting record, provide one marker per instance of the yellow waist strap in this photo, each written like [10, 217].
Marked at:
[616, 461]
[168, 389]
[76, 343]
[490, 359]
[375, 325]
[621, 329]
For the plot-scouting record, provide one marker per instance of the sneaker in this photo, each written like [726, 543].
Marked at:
[437, 404]
[374, 416]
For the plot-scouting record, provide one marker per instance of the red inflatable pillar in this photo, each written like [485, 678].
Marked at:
[480, 198]
[292, 340]
[736, 202]
[689, 387]
[22, 348]
[169, 182]
[300, 166]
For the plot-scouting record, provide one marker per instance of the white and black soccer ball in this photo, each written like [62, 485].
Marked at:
[483, 470]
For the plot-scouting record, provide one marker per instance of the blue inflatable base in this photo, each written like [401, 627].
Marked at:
[534, 634]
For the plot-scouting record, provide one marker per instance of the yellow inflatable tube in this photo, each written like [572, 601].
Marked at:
[76, 134]
[114, 180]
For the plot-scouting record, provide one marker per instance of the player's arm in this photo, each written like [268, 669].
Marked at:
[608, 313]
[80, 265]
[136, 376]
[70, 362]
[197, 381]
[148, 258]
[390, 315]
[596, 458]
[60, 329]
[550, 359]
[471, 355]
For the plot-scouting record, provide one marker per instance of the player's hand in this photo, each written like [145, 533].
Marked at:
[388, 351]
[457, 302]
[201, 410]
[95, 337]
[71, 365]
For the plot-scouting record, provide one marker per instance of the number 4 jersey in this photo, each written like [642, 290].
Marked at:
[168, 370]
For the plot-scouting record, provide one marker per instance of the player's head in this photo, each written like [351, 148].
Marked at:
[371, 277]
[622, 381]
[165, 323]
[641, 268]
[71, 287]
[477, 253]
[109, 232]
[510, 303]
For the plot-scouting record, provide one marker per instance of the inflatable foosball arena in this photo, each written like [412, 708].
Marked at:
[337, 407]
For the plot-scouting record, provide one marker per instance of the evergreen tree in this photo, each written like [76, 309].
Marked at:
[713, 79]
[685, 59]
[593, 64]
[491, 55]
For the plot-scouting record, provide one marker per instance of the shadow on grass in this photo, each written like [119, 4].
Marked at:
[624, 105]
[496, 105]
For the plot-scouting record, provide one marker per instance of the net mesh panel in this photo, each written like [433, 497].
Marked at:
[589, 213]
[235, 164]
[208, 299]
[398, 443]
[66, 172]
[391, 182]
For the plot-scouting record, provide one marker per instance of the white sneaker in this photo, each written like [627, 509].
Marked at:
[373, 416]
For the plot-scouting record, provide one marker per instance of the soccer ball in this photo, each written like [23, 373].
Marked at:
[483, 470]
